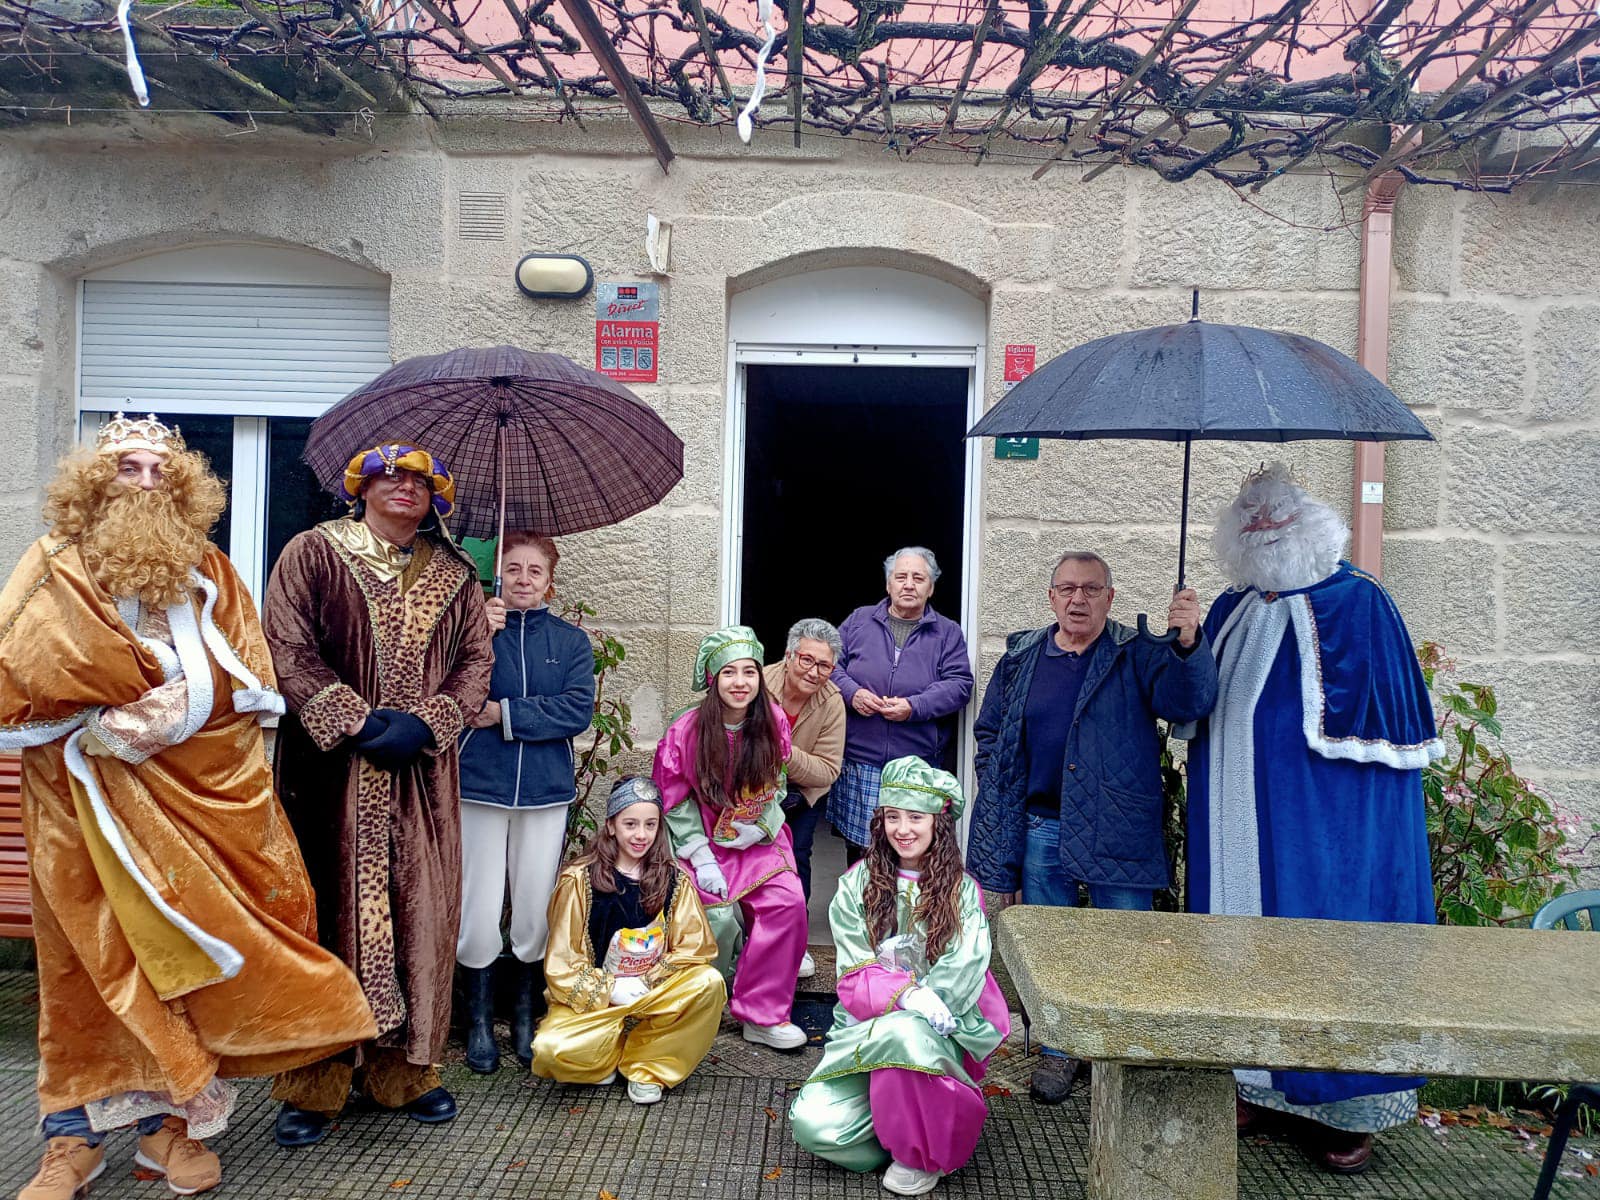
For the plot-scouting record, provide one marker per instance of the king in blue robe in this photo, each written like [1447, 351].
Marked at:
[1305, 790]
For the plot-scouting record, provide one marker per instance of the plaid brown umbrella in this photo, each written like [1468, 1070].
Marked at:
[533, 440]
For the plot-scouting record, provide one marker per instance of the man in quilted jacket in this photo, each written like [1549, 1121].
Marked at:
[1069, 758]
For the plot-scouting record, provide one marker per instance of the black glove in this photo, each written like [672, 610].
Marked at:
[370, 729]
[403, 738]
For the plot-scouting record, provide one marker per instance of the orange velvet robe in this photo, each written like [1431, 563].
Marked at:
[384, 847]
[199, 823]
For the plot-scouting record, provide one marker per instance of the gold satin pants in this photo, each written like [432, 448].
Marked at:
[675, 1023]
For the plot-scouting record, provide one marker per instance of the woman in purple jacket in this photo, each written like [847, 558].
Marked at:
[904, 674]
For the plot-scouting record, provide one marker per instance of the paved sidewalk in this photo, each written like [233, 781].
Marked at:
[724, 1134]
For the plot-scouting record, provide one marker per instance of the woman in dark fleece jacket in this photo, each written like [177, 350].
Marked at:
[516, 784]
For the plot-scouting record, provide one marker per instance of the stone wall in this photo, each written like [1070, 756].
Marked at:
[1492, 545]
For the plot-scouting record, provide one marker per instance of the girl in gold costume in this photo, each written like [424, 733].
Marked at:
[628, 939]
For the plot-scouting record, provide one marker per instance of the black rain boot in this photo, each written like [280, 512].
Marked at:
[483, 1056]
[527, 1007]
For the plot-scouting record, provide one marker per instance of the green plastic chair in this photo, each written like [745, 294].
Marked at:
[1562, 913]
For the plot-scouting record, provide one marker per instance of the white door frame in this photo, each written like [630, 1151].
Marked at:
[971, 358]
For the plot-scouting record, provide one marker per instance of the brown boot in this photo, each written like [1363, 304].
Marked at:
[187, 1164]
[1346, 1153]
[70, 1165]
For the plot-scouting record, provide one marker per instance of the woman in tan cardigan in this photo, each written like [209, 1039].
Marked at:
[799, 683]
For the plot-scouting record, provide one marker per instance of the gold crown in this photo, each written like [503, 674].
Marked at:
[122, 434]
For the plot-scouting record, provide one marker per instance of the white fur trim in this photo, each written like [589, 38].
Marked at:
[191, 649]
[258, 700]
[39, 733]
[1314, 704]
[228, 960]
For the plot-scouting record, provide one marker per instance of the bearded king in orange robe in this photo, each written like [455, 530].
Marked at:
[174, 922]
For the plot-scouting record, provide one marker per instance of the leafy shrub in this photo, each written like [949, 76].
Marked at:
[1500, 850]
[613, 727]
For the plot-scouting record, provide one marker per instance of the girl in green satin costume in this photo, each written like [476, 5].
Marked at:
[919, 1014]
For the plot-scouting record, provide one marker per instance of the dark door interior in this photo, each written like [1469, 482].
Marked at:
[844, 465]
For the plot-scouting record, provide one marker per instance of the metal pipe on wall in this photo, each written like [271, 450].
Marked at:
[1372, 352]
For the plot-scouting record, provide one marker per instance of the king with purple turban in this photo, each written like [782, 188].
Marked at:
[1305, 783]
[377, 628]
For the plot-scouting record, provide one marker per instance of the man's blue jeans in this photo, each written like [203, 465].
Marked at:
[74, 1122]
[1044, 883]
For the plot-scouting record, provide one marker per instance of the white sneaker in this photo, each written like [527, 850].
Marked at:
[787, 1036]
[643, 1093]
[808, 966]
[608, 1080]
[908, 1181]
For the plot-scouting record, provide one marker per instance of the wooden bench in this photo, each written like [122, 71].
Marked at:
[16, 902]
[1167, 1005]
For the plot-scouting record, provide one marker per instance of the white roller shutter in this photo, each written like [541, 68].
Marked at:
[262, 350]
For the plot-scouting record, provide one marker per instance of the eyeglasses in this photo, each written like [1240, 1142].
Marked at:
[807, 664]
[1091, 591]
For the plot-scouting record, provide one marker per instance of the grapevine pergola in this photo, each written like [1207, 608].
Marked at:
[1474, 94]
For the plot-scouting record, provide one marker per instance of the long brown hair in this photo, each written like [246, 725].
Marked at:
[939, 889]
[656, 868]
[760, 749]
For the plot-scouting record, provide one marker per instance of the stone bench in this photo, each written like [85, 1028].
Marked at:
[1168, 1004]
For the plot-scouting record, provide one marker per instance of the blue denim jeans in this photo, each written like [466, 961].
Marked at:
[1044, 883]
[74, 1122]
[802, 818]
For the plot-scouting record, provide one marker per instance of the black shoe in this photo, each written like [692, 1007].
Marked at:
[483, 1056]
[527, 1006]
[433, 1108]
[1052, 1079]
[297, 1127]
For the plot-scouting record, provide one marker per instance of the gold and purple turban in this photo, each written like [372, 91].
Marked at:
[397, 456]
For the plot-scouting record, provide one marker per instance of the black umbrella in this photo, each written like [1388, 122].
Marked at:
[1176, 383]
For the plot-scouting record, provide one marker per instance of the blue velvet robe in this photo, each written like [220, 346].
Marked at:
[1340, 736]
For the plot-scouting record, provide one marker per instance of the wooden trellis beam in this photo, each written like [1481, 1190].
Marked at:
[593, 36]
[703, 29]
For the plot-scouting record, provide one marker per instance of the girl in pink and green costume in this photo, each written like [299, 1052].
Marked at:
[720, 768]
[919, 1014]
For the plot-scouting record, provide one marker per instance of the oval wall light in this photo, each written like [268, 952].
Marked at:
[554, 276]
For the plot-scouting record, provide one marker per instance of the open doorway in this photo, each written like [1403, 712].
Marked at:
[843, 465]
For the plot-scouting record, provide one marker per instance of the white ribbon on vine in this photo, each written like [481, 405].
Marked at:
[745, 124]
[135, 71]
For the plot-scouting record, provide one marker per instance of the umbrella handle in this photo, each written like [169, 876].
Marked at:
[1170, 635]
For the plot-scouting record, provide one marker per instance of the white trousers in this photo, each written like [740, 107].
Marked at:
[500, 845]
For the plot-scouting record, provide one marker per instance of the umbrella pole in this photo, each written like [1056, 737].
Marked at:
[500, 534]
[1183, 524]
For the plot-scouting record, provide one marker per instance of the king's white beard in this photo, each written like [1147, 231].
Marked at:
[1280, 560]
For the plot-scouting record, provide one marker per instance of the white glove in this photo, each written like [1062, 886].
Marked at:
[706, 872]
[627, 989]
[745, 836]
[925, 1002]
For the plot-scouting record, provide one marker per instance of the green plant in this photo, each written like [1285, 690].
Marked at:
[1499, 848]
[613, 727]
[1553, 1095]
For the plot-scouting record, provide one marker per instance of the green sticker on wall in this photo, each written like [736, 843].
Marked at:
[1016, 447]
